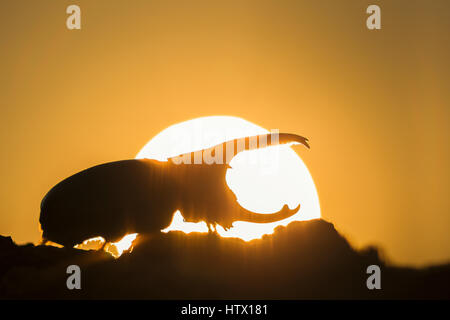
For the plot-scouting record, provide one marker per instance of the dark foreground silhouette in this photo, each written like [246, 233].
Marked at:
[303, 260]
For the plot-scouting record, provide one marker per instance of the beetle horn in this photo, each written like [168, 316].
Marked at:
[249, 216]
[224, 152]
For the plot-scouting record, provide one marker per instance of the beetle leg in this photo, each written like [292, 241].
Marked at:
[43, 242]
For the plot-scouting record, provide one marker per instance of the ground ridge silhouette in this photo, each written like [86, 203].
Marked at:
[305, 260]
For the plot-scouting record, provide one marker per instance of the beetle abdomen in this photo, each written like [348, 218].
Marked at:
[109, 200]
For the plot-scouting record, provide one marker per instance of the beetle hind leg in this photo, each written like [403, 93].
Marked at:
[43, 241]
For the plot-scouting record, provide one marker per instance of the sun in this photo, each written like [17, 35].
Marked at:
[263, 180]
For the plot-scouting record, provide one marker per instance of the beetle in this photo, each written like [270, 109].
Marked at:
[141, 195]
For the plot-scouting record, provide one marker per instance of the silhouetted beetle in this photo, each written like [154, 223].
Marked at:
[141, 196]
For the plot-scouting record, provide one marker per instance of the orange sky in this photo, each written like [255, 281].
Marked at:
[375, 104]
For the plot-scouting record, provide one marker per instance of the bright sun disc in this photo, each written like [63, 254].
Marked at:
[263, 180]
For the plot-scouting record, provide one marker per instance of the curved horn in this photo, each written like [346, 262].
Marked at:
[229, 149]
[249, 216]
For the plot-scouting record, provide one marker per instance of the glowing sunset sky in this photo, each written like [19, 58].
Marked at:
[374, 104]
